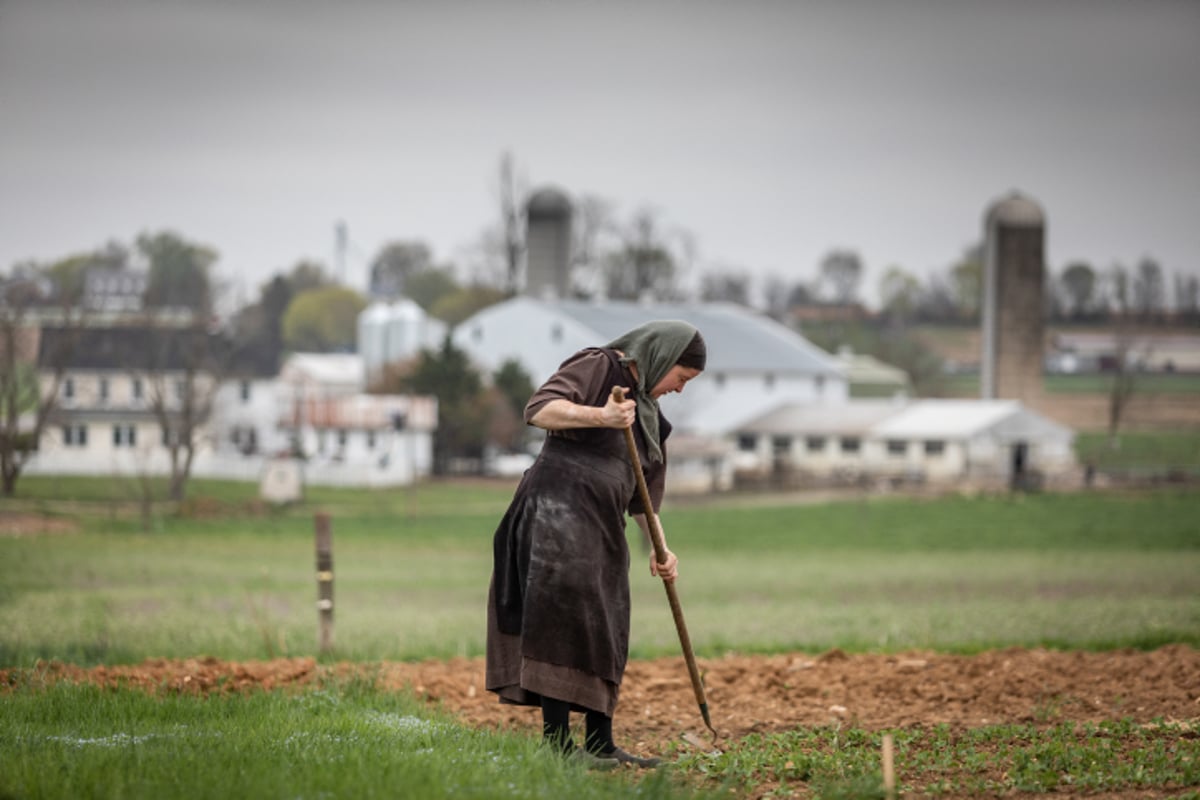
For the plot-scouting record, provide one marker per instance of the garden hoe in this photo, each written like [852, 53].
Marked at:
[660, 554]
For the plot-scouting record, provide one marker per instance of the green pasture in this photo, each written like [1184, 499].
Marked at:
[232, 579]
[82, 581]
[1173, 383]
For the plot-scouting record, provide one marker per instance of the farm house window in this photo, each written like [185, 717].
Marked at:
[814, 444]
[897, 447]
[850, 444]
[781, 445]
[68, 388]
[124, 436]
[137, 388]
[104, 390]
[935, 447]
[75, 435]
[244, 389]
[747, 442]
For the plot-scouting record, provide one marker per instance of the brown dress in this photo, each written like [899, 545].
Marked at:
[558, 604]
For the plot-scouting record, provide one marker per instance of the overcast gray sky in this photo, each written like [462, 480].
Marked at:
[774, 131]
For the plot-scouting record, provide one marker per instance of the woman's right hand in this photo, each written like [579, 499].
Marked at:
[618, 414]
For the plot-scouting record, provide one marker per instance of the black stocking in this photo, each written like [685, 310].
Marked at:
[556, 723]
[599, 739]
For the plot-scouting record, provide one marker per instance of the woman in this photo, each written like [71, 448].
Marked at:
[558, 605]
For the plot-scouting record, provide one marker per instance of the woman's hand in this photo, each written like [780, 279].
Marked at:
[668, 571]
[618, 415]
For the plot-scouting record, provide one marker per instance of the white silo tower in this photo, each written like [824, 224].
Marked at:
[393, 331]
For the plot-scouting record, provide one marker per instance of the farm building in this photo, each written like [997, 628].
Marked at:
[754, 363]
[934, 441]
[115, 393]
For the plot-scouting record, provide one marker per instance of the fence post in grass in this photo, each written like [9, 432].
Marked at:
[889, 768]
[324, 582]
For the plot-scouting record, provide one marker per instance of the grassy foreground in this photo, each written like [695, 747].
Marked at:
[346, 741]
[229, 578]
[351, 741]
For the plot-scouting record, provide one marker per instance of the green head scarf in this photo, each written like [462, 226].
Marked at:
[655, 347]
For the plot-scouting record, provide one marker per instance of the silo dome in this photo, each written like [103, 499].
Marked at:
[1016, 210]
[548, 203]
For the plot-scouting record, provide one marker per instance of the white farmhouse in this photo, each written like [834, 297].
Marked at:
[106, 421]
[118, 386]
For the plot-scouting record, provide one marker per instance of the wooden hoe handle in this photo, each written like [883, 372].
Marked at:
[660, 555]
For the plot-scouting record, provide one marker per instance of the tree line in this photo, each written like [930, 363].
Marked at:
[641, 255]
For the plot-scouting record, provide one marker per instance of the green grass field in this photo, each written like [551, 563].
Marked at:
[411, 574]
[1090, 383]
[230, 578]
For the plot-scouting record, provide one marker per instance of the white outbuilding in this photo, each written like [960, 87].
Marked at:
[992, 441]
[935, 441]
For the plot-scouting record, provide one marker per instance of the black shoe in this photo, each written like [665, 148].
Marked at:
[623, 757]
[593, 761]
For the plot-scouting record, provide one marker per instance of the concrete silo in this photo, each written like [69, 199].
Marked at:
[1014, 274]
[548, 244]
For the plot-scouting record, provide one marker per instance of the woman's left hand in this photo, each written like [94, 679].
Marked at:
[668, 571]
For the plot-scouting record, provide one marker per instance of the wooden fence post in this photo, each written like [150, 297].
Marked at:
[324, 582]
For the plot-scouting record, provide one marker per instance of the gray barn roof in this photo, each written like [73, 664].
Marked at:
[737, 338]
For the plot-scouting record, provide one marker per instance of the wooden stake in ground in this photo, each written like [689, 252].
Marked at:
[324, 534]
[889, 767]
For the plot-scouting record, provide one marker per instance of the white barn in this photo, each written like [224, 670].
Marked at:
[754, 363]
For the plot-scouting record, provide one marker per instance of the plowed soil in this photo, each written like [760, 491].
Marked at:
[748, 694]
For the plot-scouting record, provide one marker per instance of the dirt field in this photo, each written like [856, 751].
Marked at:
[760, 694]
[749, 694]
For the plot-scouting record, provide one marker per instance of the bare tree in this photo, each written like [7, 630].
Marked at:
[1128, 358]
[841, 271]
[28, 400]
[899, 294]
[775, 297]
[1116, 282]
[184, 371]
[728, 285]
[647, 263]
[1149, 290]
[512, 221]
[1079, 286]
[395, 264]
[1187, 294]
[593, 232]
